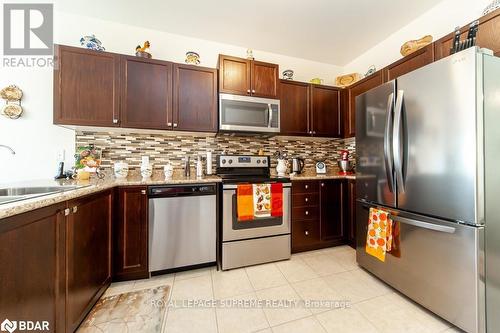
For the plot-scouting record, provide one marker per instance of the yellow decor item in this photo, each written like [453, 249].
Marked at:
[143, 51]
[414, 45]
[348, 79]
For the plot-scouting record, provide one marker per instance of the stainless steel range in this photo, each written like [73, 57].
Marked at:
[259, 239]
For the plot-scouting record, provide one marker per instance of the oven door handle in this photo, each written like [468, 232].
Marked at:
[233, 187]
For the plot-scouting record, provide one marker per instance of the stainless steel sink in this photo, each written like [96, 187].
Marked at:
[11, 194]
[18, 191]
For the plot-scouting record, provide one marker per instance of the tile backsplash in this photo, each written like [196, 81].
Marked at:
[173, 147]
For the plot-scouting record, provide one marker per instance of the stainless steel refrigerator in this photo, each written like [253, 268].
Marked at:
[428, 146]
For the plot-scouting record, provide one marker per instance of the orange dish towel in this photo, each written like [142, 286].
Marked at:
[277, 199]
[379, 236]
[244, 202]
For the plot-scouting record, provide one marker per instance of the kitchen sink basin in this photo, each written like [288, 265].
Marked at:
[22, 191]
[11, 194]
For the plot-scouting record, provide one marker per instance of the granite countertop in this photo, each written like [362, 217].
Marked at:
[96, 185]
[311, 175]
[93, 186]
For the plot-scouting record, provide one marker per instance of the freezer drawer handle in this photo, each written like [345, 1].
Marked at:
[425, 225]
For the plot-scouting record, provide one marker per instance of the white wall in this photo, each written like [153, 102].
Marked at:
[438, 22]
[37, 141]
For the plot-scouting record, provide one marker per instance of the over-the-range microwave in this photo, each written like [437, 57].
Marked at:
[248, 114]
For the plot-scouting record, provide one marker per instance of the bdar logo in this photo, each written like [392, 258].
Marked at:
[8, 325]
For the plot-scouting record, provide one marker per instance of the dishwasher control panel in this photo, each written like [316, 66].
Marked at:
[182, 190]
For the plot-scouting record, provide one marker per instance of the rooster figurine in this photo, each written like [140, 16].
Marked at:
[142, 51]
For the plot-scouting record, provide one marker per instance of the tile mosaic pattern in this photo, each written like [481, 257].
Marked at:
[173, 147]
[373, 307]
[135, 311]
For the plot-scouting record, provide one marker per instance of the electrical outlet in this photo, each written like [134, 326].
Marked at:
[61, 155]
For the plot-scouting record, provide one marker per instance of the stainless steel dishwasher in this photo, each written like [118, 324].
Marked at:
[182, 226]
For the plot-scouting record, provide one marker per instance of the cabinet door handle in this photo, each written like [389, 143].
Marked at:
[175, 125]
[307, 212]
[322, 184]
[66, 212]
[253, 91]
[115, 121]
[307, 233]
[75, 209]
[307, 199]
[143, 191]
[307, 186]
[169, 124]
[248, 91]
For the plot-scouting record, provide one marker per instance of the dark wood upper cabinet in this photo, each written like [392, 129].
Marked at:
[86, 87]
[325, 111]
[88, 254]
[294, 108]
[417, 59]
[264, 77]
[33, 267]
[195, 98]
[354, 90]
[331, 193]
[234, 75]
[147, 93]
[488, 36]
[130, 232]
[241, 76]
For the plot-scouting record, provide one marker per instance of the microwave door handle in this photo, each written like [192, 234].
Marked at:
[387, 144]
[270, 110]
[397, 141]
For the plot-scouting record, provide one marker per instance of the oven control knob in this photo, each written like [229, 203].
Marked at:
[258, 161]
[230, 161]
[264, 161]
[223, 161]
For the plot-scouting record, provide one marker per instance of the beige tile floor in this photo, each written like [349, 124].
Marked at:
[329, 274]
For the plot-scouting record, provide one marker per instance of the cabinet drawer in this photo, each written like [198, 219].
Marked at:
[305, 213]
[305, 233]
[305, 199]
[305, 187]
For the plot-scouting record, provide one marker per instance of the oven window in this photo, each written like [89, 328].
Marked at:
[258, 222]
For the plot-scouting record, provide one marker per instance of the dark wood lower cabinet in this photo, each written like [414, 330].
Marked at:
[317, 214]
[130, 243]
[33, 267]
[331, 194]
[88, 254]
[350, 220]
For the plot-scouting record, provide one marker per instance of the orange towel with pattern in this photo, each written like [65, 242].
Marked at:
[277, 199]
[379, 235]
[244, 202]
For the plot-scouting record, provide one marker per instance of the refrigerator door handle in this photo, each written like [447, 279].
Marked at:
[425, 225]
[397, 144]
[387, 144]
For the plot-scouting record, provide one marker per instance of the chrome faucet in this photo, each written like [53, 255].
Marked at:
[8, 148]
[187, 167]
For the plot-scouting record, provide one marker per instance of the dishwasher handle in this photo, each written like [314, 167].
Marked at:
[165, 191]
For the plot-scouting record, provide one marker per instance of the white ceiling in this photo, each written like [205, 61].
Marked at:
[328, 31]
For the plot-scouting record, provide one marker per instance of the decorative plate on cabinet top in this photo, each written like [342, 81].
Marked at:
[347, 80]
[11, 93]
[91, 43]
